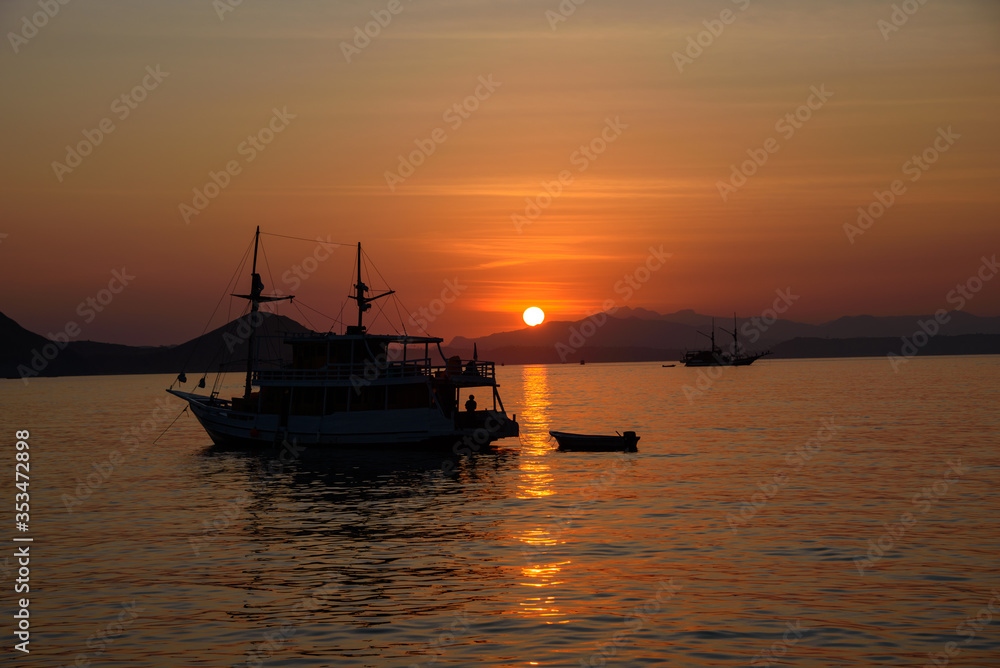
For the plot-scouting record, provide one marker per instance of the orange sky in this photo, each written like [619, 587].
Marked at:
[550, 91]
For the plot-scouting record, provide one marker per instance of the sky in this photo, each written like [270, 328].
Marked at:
[494, 156]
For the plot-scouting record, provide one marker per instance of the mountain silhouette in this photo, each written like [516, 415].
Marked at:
[25, 354]
[642, 328]
[629, 335]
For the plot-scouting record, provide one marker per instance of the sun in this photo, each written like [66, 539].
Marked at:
[534, 316]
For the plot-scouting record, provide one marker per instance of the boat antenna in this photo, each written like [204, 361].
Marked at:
[364, 303]
[256, 298]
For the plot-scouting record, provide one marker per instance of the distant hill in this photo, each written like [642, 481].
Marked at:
[598, 332]
[862, 326]
[25, 353]
[965, 344]
[17, 346]
[855, 326]
[549, 355]
[629, 335]
[622, 336]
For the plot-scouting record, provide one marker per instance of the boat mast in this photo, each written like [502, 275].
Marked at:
[712, 337]
[256, 286]
[364, 303]
[736, 341]
[255, 297]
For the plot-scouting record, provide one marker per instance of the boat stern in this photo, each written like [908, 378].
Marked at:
[488, 425]
[508, 426]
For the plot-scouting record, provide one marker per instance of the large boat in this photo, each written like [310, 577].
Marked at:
[715, 356]
[355, 389]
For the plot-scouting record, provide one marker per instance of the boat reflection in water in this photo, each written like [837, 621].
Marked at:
[384, 540]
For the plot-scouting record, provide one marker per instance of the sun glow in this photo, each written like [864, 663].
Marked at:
[534, 316]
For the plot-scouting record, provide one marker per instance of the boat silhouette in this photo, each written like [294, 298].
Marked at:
[354, 390]
[715, 356]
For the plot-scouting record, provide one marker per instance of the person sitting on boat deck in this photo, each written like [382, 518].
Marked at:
[470, 405]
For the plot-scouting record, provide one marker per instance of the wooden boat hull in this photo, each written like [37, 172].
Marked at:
[745, 360]
[596, 443]
[412, 428]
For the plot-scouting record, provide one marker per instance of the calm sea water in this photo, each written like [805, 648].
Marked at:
[807, 513]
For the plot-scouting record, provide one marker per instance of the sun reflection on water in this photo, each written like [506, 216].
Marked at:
[535, 472]
[535, 481]
[538, 602]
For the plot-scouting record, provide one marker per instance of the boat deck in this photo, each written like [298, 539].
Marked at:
[470, 374]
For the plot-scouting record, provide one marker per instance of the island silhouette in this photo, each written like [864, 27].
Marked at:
[629, 335]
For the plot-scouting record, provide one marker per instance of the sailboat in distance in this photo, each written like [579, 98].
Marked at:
[354, 390]
[715, 356]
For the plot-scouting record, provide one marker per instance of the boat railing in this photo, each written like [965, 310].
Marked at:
[468, 373]
[471, 372]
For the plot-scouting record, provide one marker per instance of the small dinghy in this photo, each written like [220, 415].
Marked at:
[590, 443]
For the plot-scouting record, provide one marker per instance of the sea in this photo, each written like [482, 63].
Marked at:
[836, 512]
